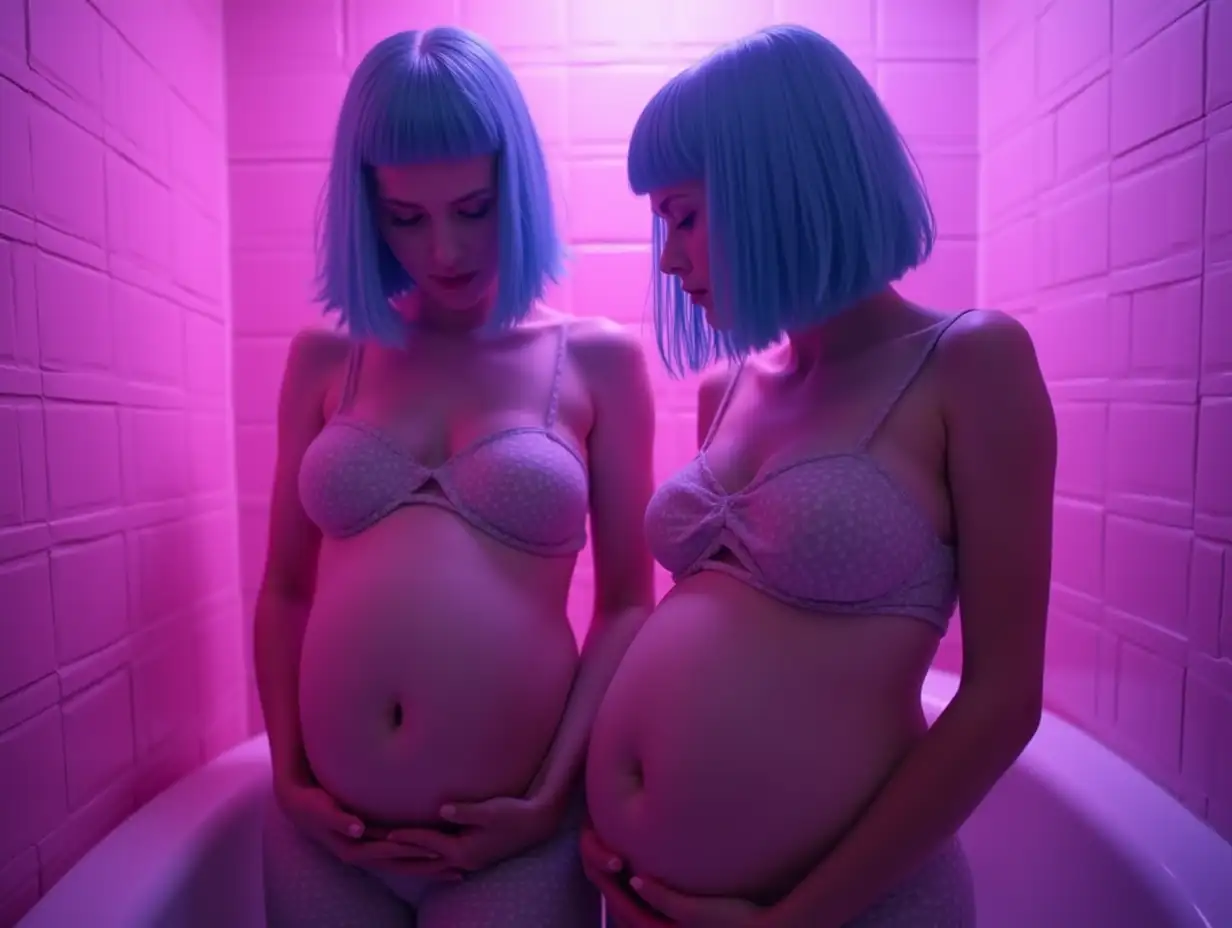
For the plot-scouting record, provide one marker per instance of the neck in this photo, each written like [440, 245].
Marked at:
[854, 330]
[428, 317]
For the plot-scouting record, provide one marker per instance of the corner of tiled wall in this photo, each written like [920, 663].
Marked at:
[1106, 182]
[121, 663]
[1101, 131]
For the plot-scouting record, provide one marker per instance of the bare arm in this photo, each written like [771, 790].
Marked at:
[291, 562]
[1001, 457]
[621, 452]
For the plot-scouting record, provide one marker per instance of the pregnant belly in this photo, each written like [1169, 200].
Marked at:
[430, 675]
[740, 738]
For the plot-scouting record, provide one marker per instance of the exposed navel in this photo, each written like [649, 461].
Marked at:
[636, 776]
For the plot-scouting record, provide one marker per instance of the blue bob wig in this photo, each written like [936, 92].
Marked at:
[424, 96]
[814, 201]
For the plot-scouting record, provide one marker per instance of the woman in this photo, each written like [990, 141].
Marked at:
[426, 704]
[761, 757]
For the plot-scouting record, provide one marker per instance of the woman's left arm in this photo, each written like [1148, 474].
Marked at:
[1001, 462]
[621, 455]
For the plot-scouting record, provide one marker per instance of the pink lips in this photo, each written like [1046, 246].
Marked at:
[456, 282]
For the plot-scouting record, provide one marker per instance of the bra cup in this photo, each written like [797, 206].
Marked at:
[834, 529]
[523, 485]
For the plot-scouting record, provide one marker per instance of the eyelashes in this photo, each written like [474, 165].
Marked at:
[475, 213]
[478, 212]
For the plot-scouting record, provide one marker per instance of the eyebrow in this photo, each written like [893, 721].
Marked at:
[473, 195]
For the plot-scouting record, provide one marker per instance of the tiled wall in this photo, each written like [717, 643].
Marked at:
[587, 68]
[120, 635]
[1106, 219]
[1101, 135]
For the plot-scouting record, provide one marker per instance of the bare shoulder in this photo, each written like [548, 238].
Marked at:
[609, 355]
[316, 359]
[315, 353]
[987, 344]
[990, 374]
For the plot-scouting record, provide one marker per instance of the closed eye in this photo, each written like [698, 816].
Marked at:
[477, 212]
[473, 213]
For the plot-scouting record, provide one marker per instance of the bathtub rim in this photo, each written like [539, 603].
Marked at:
[1182, 858]
[149, 854]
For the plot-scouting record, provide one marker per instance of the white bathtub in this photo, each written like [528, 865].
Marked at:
[1073, 837]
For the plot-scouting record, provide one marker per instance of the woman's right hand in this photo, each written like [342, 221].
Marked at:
[318, 815]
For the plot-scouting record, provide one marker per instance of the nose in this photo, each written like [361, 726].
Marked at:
[446, 246]
[673, 260]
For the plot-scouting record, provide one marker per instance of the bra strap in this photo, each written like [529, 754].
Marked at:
[350, 380]
[554, 395]
[912, 373]
[723, 404]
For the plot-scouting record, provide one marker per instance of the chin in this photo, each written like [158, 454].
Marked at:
[460, 303]
[713, 319]
[466, 300]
